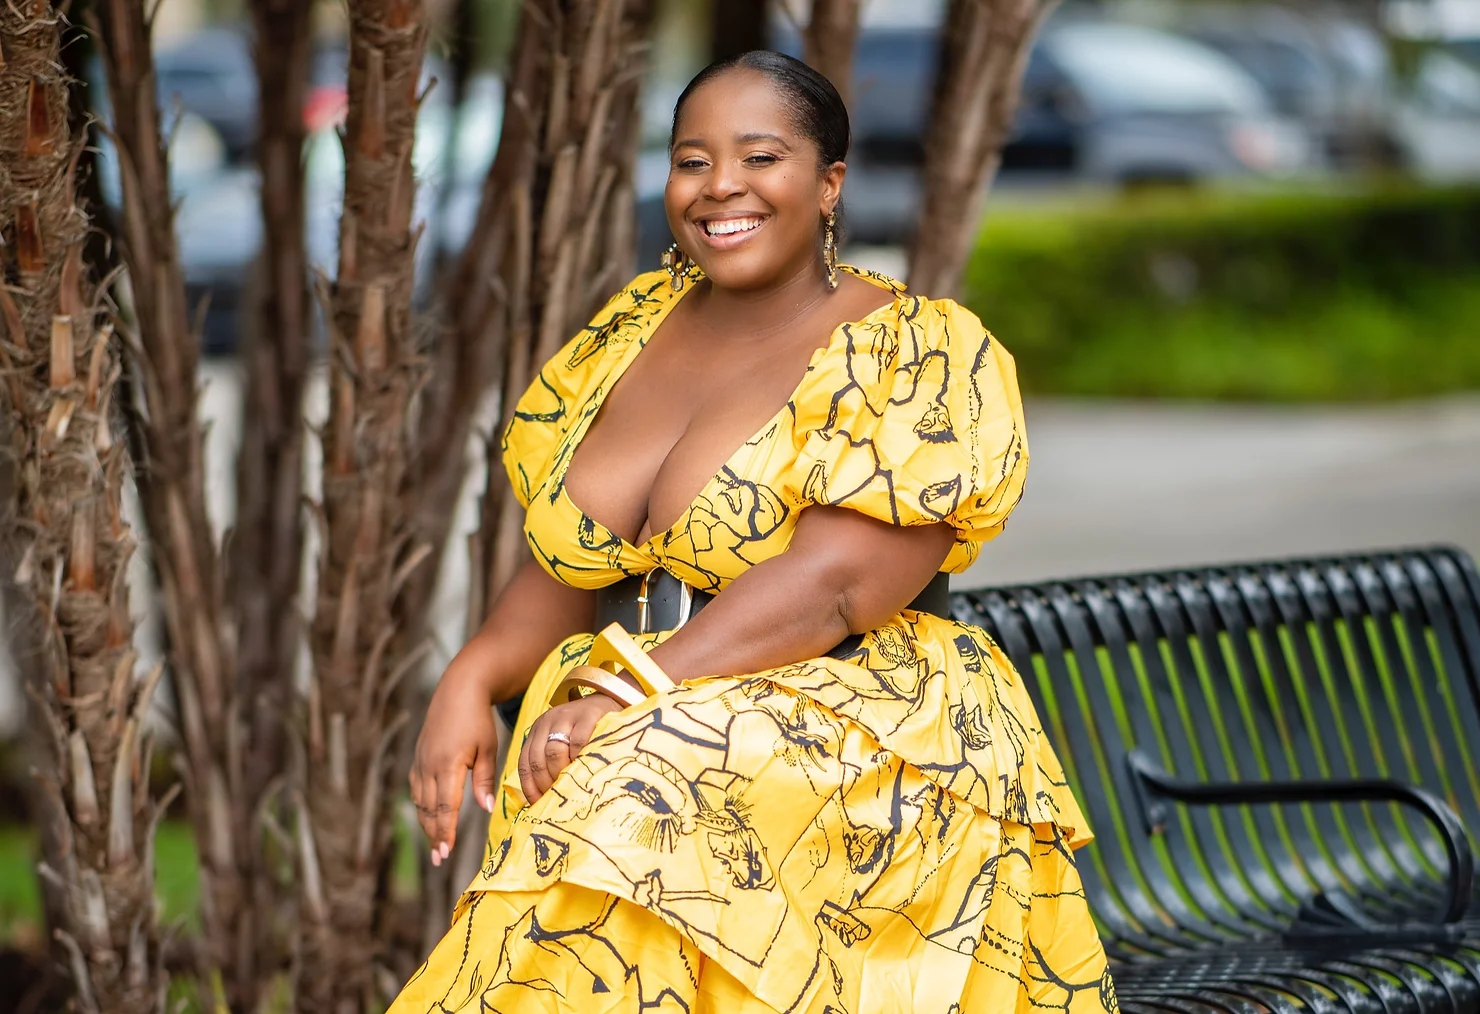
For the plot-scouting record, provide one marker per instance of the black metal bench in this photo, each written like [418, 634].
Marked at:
[1279, 760]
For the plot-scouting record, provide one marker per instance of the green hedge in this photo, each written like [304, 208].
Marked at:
[1263, 297]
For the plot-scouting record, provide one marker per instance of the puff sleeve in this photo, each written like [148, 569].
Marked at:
[914, 417]
[545, 413]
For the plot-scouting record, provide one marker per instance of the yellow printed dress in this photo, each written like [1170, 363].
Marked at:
[885, 832]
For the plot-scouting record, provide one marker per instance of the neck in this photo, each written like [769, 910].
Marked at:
[768, 308]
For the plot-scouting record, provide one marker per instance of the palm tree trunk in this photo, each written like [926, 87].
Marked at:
[737, 26]
[460, 31]
[984, 50]
[829, 40]
[571, 236]
[267, 540]
[555, 236]
[172, 490]
[70, 543]
[353, 711]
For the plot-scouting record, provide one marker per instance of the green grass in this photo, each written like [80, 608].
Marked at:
[20, 907]
[176, 882]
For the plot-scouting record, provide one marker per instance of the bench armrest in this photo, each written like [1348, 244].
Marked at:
[1153, 786]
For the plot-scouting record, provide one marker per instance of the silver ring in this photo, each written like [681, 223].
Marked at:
[558, 737]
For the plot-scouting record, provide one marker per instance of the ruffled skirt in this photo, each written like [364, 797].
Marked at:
[884, 833]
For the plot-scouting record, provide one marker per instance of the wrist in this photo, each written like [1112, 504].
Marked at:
[476, 668]
[669, 658]
[587, 681]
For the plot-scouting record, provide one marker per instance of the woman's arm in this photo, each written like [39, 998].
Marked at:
[844, 573]
[531, 616]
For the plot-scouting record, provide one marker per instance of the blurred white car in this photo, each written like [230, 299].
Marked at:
[1439, 124]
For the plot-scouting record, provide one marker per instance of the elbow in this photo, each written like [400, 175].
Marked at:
[841, 589]
[825, 589]
[844, 615]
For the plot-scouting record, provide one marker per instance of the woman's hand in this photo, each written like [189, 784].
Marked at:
[459, 734]
[556, 738]
[531, 616]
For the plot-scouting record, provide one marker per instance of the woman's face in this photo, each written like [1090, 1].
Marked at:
[745, 198]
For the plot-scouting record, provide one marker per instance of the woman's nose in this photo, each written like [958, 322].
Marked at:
[725, 181]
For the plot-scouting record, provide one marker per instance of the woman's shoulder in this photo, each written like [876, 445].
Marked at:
[918, 364]
[639, 298]
[910, 327]
[626, 315]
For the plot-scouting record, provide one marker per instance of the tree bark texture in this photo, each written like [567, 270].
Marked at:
[182, 544]
[353, 713]
[267, 539]
[737, 26]
[555, 235]
[69, 543]
[984, 49]
[574, 241]
[829, 39]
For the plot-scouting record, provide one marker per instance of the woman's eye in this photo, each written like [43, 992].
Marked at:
[760, 159]
[690, 163]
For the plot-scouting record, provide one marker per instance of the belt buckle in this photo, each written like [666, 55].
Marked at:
[642, 602]
[644, 588]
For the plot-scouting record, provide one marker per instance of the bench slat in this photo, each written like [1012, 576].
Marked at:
[1359, 667]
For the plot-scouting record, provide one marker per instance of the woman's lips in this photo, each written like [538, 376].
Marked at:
[729, 233]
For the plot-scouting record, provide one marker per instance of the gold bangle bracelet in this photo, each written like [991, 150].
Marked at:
[589, 677]
[614, 648]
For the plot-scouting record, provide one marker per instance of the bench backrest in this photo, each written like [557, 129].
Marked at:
[1362, 666]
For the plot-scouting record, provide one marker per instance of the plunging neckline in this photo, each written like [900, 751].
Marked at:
[598, 399]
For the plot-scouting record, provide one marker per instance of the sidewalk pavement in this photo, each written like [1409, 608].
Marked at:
[1117, 486]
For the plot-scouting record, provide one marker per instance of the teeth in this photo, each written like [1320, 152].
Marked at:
[730, 226]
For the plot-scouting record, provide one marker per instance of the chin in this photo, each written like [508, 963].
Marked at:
[741, 270]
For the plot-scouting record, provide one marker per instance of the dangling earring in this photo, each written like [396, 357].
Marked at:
[830, 250]
[676, 263]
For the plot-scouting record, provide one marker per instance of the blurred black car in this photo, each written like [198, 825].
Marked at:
[207, 93]
[211, 75]
[1102, 103]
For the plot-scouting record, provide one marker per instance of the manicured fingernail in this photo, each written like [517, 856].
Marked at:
[446, 850]
[436, 858]
[488, 802]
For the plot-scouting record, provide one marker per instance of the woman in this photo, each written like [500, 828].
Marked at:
[760, 463]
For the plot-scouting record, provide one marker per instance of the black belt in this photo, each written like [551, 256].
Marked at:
[659, 601]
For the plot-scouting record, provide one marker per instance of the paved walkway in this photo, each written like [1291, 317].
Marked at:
[1116, 486]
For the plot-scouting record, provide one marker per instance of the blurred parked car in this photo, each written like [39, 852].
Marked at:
[1439, 129]
[211, 75]
[1102, 103]
[218, 222]
[1150, 106]
[1330, 73]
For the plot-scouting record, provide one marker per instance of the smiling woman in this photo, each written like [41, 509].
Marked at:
[793, 783]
